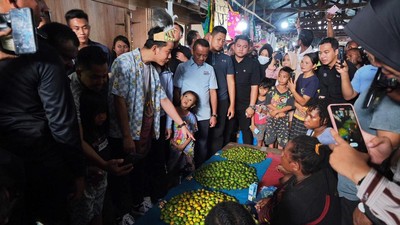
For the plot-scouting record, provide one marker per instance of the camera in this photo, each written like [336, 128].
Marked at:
[378, 89]
[23, 38]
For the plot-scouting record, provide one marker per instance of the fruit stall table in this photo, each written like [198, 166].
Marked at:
[153, 215]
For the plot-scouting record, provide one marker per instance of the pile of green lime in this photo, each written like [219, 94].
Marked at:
[244, 154]
[227, 174]
[192, 207]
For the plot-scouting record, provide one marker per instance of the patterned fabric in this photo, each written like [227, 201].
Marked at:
[190, 119]
[127, 82]
[76, 89]
[280, 100]
[260, 117]
[297, 128]
[277, 129]
[91, 203]
[261, 131]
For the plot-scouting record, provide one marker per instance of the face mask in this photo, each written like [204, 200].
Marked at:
[263, 59]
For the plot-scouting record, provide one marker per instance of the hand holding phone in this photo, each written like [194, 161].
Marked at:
[345, 122]
[341, 55]
[332, 10]
[23, 31]
[23, 39]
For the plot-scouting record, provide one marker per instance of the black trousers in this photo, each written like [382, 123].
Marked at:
[217, 139]
[240, 121]
[118, 194]
[156, 163]
[201, 147]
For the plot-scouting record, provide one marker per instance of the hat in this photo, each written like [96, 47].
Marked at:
[269, 49]
[382, 35]
[306, 36]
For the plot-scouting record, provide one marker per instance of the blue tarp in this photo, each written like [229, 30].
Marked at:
[153, 216]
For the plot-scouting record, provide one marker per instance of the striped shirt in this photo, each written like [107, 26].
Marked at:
[382, 196]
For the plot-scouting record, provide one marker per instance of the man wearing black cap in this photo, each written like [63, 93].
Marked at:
[379, 195]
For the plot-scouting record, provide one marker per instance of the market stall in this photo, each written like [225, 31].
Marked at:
[153, 216]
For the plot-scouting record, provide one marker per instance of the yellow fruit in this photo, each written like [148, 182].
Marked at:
[175, 211]
[244, 154]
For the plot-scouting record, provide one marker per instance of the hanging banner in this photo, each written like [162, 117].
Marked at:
[206, 23]
[221, 14]
[233, 21]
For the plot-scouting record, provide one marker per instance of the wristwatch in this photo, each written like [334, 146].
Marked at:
[214, 115]
[181, 125]
[361, 207]
[253, 107]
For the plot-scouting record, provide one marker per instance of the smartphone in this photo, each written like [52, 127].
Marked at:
[341, 55]
[332, 10]
[23, 31]
[292, 76]
[278, 56]
[345, 122]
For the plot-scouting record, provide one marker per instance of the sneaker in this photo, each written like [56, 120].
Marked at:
[147, 202]
[143, 207]
[127, 219]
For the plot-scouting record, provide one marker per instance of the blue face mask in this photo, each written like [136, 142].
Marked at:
[263, 59]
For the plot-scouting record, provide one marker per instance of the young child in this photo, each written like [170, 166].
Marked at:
[303, 90]
[182, 149]
[289, 60]
[93, 110]
[280, 100]
[260, 118]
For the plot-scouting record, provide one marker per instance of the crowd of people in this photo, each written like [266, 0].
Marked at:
[90, 135]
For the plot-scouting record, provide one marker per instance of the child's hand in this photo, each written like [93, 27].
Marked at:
[180, 148]
[177, 146]
[173, 143]
[168, 134]
[252, 127]
[271, 107]
[280, 115]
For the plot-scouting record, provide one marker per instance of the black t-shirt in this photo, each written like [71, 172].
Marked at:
[263, 68]
[223, 66]
[330, 82]
[98, 140]
[314, 199]
[174, 62]
[247, 73]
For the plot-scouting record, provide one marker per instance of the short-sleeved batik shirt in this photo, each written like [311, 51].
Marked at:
[127, 81]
